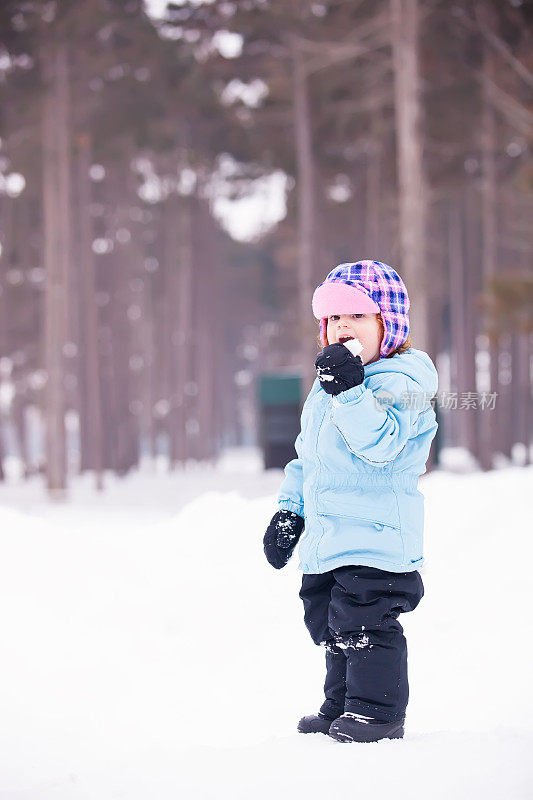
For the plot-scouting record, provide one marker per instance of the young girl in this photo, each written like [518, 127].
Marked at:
[366, 431]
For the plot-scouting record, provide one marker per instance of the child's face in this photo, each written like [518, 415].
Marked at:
[364, 327]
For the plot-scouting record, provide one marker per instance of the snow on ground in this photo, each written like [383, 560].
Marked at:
[148, 649]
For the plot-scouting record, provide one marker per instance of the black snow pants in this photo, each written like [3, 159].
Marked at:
[353, 611]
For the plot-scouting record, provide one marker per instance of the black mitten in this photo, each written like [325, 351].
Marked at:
[281, 537]
[338, 369]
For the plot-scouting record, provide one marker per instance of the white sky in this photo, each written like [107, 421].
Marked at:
[249, 217]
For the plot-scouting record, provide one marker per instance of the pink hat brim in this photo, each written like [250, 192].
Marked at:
[336, 297]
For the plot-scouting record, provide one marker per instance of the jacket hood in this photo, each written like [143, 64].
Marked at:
[415, 364]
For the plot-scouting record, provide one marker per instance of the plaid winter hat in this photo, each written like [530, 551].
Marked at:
[361, 288]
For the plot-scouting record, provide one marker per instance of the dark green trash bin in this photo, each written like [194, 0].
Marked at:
[279, 401]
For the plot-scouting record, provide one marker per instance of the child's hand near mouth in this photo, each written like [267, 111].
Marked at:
[338, 369]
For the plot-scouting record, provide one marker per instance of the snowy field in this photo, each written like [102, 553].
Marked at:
[147, 649]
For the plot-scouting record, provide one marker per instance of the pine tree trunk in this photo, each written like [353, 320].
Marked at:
[19, 425]
[146, 336]
[472, 241]
[458, 321]
[169, 312]
[6, 225]
[412, 214]
[179, 451]
[489, 419]
[373, 186]
[504, 401]
[524, 398]
[306, 217]
[91, 418]
[178, 320]
[56, 202]
[205, 329]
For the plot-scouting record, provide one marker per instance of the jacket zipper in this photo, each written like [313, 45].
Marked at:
[316, 489]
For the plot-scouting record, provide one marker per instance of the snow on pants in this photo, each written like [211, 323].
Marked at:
[353, 611]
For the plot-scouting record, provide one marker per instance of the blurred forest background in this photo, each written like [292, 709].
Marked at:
[176, 178]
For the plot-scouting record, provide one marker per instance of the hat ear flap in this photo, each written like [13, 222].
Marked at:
[324, 331]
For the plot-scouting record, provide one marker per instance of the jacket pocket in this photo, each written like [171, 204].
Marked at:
[376, 505]
[376, 524]
[358, 538]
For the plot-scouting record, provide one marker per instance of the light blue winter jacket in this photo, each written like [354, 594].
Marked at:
[360, 455]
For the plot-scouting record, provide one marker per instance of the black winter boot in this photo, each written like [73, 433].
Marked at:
[356, 728]
[315, 723]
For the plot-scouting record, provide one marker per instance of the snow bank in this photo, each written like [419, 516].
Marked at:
[148, 651]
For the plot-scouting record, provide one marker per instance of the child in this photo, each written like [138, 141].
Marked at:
[366, 431]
